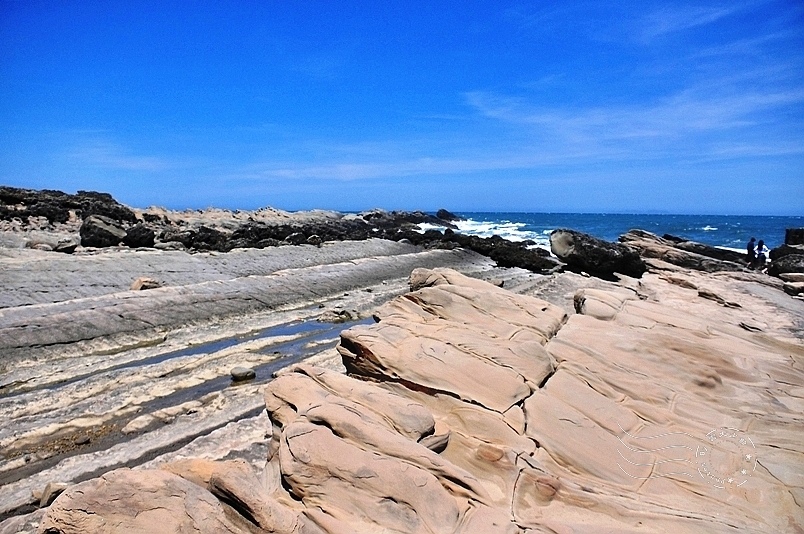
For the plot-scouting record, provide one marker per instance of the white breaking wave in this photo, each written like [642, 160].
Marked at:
[708, 228]
[512, 231]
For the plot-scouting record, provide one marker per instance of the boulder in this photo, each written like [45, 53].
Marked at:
[138, 236]
[207, 238]
[586, 253]
[144, 282]
[338, 316]
[99, 231]
[124, 501]
[794, 288]
[794, 236]
[785, 250]
[51, 492]
[296, 238]
[185, 237]
[66, 246]
[792, 263]
[792, 277]
[241, 374]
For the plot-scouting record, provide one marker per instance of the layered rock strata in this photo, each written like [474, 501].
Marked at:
[468, 408]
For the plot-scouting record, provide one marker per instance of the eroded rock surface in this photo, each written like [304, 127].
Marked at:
[584, 252]
[468, 408]
[683, 254]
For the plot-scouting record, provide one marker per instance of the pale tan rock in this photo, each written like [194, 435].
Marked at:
[294, 397]
[51, 492]
[353, 484]
[125, 501]
[471, 409]
[145, 282]
[235, 484]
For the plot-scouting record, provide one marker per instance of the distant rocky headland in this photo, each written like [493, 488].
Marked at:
[326, 373]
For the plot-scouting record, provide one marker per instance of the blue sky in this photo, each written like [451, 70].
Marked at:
[666, 107]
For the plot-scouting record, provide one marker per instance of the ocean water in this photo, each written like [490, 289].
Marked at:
[729, 231]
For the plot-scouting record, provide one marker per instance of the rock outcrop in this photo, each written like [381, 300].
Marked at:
[794, 236]
[108, 224]
[139, 235]
[682, 254]
[100, 231]
[586, 253]
[791, 263]
[57, 206]
[468, 408]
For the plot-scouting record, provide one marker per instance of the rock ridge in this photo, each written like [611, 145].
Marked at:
[468, 408]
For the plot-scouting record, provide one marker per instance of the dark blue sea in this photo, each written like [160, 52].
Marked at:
[730, 231]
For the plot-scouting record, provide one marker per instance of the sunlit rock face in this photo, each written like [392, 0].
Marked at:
[468, 408]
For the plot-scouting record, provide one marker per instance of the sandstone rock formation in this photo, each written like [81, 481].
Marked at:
[682, 254]
[468, 408]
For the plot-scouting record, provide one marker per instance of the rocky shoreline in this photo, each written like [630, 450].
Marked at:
[481, 408]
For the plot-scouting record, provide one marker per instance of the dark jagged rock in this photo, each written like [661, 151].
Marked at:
[785, 250]
[153, 218]
[794, 236]
[792, 263]
[445, 215]
[711, 252]
[507, 253]
[387, 219]
[202, 238]
[206, 238]
[66, 246]
[185, 237]
[139, 235]
[673, 238]
[99, 231]
[296, 238]
[57, 205]
[595, 256]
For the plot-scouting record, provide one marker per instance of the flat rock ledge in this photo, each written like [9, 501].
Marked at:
[468, 408]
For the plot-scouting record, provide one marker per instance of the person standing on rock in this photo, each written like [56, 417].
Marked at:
[762, 254]
[752, 253]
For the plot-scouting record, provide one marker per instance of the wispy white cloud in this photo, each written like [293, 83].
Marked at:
[104, 154]
[680, 114]
[671, 19]
[750, 46]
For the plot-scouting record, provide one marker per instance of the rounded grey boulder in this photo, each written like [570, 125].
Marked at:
[241, 374]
